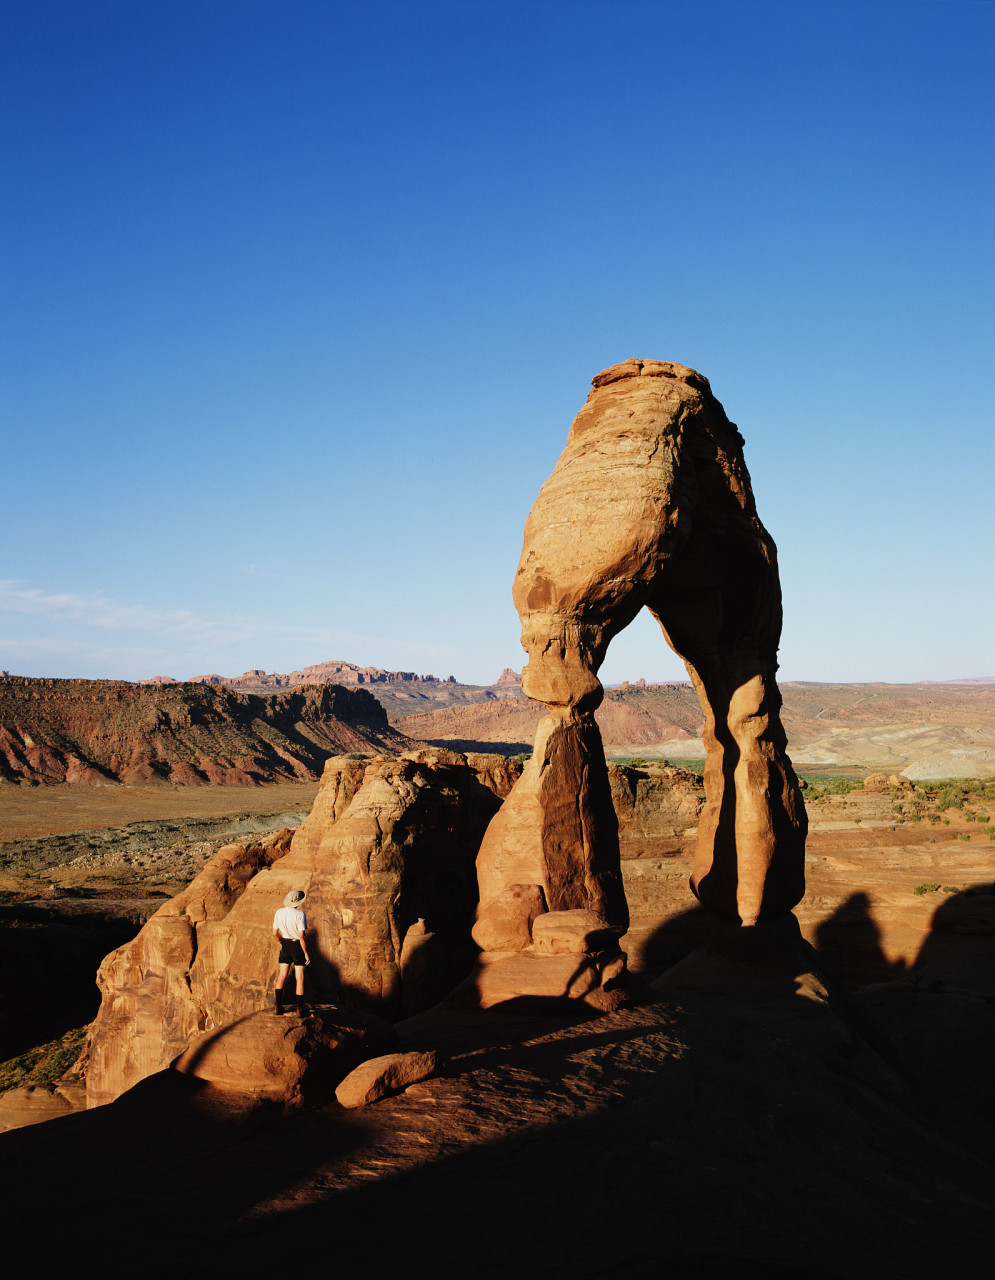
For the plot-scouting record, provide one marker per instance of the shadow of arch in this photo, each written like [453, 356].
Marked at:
[958, 953]
[848, 943]
[942, 1016]
[670, 942]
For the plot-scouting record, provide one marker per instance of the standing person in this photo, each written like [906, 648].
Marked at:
[289, 929]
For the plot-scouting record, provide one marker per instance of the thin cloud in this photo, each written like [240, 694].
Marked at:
[98, 611]
[189, 642]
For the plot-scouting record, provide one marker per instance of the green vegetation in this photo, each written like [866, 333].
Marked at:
[921, 889]
[46, 1063]
[521, 757]
[990, 832]
[697, 765]
[963, 835]
[820, 785]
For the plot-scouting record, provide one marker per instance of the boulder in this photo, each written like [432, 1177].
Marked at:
[378, 1077]
[885, 782]
[289, 1059]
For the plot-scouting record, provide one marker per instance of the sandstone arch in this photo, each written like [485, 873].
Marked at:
[649, 505]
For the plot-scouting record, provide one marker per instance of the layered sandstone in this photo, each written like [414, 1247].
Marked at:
[106, 731]
[650, 506]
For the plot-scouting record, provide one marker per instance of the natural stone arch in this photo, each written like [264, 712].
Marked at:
[649, 505]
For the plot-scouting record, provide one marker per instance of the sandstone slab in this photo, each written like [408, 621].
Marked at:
[572, 933]
[32, 1103]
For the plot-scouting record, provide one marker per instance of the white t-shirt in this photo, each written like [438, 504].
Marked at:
[290, 922]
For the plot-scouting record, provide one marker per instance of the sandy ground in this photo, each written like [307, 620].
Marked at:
[42, 811]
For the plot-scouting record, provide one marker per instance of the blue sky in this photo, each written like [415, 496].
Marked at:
[300, 299]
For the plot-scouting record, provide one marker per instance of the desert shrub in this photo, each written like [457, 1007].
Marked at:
[963, 835]
[981, 817]
[857, 822]
[990, 832]
[44, 1064]
[521, 757]
[932, 817]
[950, 888]
[921, 889]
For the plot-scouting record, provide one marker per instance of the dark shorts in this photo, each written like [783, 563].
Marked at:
[291, 951]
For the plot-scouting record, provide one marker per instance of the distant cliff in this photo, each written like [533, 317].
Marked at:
[106, 731]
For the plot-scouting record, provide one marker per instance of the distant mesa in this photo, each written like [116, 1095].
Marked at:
[508, 676]
[258, 681]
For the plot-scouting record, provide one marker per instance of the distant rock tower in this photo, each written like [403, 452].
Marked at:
[649, 505]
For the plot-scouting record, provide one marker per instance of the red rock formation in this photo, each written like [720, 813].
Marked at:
[106, 731]
[388, 849]
[386, 858]
[150, 1007]
[649, 506]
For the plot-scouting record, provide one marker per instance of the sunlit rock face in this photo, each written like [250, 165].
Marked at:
[649, 505]
[386, 858]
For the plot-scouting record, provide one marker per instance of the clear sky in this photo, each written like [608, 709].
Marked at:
[301, 297]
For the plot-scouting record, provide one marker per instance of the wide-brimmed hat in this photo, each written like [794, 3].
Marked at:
[294, 898]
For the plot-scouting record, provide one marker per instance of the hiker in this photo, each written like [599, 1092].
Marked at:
[289, 929]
